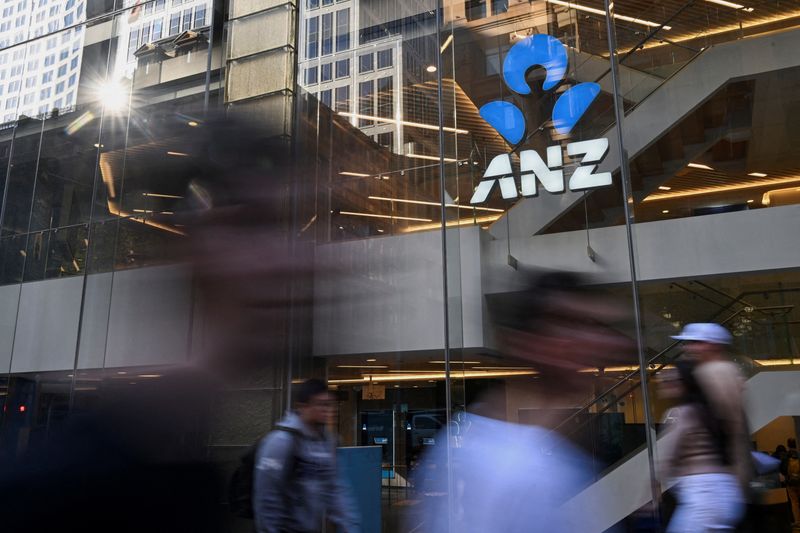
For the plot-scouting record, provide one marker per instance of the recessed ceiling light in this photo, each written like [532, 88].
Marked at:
[371, 360]
[750, 201]
[354, 174]
[361, 366]
[698, 165]
[757, 175]
[431, 68]
[665, 211]
[600, 12]
[730, 5]
[192, 123]
[664, 188]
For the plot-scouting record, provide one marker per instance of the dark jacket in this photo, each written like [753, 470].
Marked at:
[295, 484]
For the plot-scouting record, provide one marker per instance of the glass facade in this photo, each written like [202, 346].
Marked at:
[434, 166]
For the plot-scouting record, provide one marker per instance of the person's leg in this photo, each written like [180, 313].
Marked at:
[707, 502]
[727, 505]
[686, 518]
[794, 499]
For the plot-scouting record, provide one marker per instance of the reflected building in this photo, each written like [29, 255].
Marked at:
[41, 75]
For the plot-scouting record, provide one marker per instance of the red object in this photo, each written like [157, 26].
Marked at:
[22, 408]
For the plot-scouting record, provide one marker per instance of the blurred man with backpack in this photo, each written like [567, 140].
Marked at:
[790, 468]
[295, 483]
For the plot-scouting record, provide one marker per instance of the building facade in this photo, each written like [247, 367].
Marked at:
[670, 179]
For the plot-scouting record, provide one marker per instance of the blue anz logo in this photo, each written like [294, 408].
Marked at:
[547, 52]
[508, 120]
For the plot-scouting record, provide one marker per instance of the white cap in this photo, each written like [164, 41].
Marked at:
[705, 332]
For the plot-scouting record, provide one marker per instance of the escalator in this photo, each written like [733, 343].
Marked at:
[673, 102]
[624, 487]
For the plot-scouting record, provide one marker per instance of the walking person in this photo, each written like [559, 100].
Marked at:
[510, 477]
[295, 483]
[709, 447]
[696, 452]
[707, 346]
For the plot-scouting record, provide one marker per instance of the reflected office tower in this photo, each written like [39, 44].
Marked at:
[158, 27]
[353, 69]
[42, 75]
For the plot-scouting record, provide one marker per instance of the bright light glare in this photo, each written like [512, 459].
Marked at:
[113, 96]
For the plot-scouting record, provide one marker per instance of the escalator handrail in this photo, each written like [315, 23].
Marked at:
[628, 377]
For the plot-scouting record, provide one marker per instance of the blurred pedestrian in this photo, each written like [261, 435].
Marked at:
[510, 477]
[790, 468]
[695, 451]
[706, 345]
[295, 486]
[780, 452]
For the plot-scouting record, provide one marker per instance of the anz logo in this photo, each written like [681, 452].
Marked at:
[507, 119]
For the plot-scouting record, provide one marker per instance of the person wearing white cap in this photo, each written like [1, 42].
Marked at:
[708, 452]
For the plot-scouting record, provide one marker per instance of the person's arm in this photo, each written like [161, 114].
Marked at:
[273, 465]
[668, 444]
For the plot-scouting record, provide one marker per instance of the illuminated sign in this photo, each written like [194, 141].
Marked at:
[551, 174]
[508, 120]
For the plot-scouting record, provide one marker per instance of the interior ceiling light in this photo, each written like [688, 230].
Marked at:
[432, 376]
[361, 366]
[437, 204]
[665, 211]
[617, 369]
[468, 221]
[757, 175]
[178, 154]
[737, 27]
[431, 158]
[431, 68]
[720, 188]
[355, 174]
[354, 214]
[750, 201]
[579, 7]
[402, 122]
[731, 5]
[410, 371]
[698, 165]
[777, 362]
[159, 195]
[501, 368]
[446, 43]
[371, 360]
[664, 188]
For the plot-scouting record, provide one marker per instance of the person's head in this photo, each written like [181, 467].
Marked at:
[780, 449]
[791, 444]
[560, 326]
[704, 342]
[314, 403]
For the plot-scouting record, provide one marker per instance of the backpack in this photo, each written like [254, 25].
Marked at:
[793, 470]
[240, 488]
